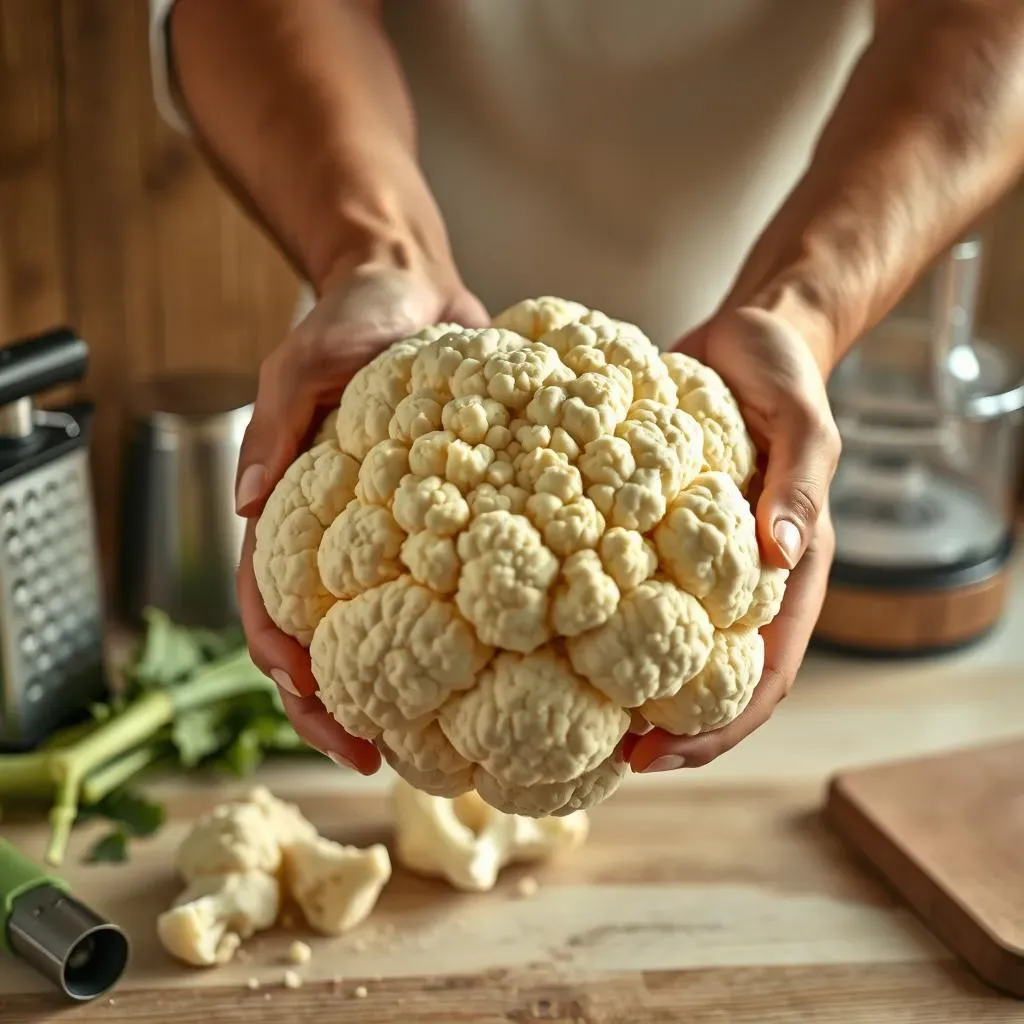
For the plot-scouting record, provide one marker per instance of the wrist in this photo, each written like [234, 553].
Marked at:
[794, 297]
[389, 221]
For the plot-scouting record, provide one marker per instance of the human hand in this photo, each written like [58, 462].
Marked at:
[780, 388]
[360, 314]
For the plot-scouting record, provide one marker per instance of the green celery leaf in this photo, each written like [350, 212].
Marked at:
[133, 813]
[199, 733]
[216, 645]
[169, 653]
[277, 734]
[109, 849]
[244, 755]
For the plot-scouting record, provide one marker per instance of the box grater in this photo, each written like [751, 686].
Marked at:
[51, 594]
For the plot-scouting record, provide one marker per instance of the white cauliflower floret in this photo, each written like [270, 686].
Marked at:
[585, 597]
[369, 401]
[241, 860]
[209, 920]
[555, 799]
[233, 838]
[708, 545]
[719, 692]
[539, 529]
[506, 574]
[689, 374]
[728, 447]
[658, 639]
[381, 472]
[392, 656]
[531, 720]
[335, 886]
[426, 759]
[306, 500]
[328, 430]
[467, 842]
[359, 550]
[286, 821]
[628, 557]
[535, 317]
[767, 598]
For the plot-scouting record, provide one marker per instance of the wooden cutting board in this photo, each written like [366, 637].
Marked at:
[947, 832]
[694, 899]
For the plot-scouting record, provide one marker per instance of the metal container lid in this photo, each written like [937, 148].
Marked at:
[193, 403]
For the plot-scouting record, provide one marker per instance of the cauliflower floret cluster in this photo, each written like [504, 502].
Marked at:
[517, 537]
[244, 859]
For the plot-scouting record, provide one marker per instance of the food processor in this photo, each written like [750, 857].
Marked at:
[923, 500]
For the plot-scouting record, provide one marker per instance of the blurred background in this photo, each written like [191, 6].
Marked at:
[110, 223]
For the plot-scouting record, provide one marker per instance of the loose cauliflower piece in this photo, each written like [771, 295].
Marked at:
[523, 536]
[335, 886]
[233, 838]
[215, 914]
[243, 857]
[719, 692]
[467, 842]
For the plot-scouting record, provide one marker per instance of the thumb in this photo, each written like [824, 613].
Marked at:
[802, 457]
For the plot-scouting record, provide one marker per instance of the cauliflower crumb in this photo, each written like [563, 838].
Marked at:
[299, 953]
[292, 979]
[253, 984]
[509, 542]
[360, 992]
[527, 886]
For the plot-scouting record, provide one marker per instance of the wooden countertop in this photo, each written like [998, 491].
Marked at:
[704, 896]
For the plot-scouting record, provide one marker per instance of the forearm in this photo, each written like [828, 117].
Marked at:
[301, 107]
[928, 135]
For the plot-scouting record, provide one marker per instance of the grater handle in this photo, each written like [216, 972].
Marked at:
[32, 365]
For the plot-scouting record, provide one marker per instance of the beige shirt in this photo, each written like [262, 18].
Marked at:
[622, 154]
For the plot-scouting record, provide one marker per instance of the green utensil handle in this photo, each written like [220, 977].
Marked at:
[18, 875]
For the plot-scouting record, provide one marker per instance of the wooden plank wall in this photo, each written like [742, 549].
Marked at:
[110, 221]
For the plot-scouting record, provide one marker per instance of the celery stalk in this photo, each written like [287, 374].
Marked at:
[63, 771]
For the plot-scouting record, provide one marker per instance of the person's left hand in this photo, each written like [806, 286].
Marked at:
[780, 388]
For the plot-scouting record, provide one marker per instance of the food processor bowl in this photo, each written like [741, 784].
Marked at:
[924, 498]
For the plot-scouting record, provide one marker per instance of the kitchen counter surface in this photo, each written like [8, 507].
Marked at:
[703, 896]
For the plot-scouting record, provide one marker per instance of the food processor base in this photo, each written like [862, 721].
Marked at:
[876, 612]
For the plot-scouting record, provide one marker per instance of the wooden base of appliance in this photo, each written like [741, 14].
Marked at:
[890, 622]
[944, 834]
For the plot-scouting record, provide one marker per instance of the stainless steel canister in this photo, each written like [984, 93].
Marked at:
[180, 539]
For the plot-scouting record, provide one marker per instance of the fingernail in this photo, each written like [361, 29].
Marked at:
[342, 762]
[665, 763]
[250, 487]
[787, 536]
[284, 681]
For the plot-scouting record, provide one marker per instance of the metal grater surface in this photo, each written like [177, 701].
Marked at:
[51, 603]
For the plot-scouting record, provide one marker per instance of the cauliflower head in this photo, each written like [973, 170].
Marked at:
[518, 538]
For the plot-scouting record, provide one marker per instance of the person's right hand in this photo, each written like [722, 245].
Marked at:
[358, 316]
